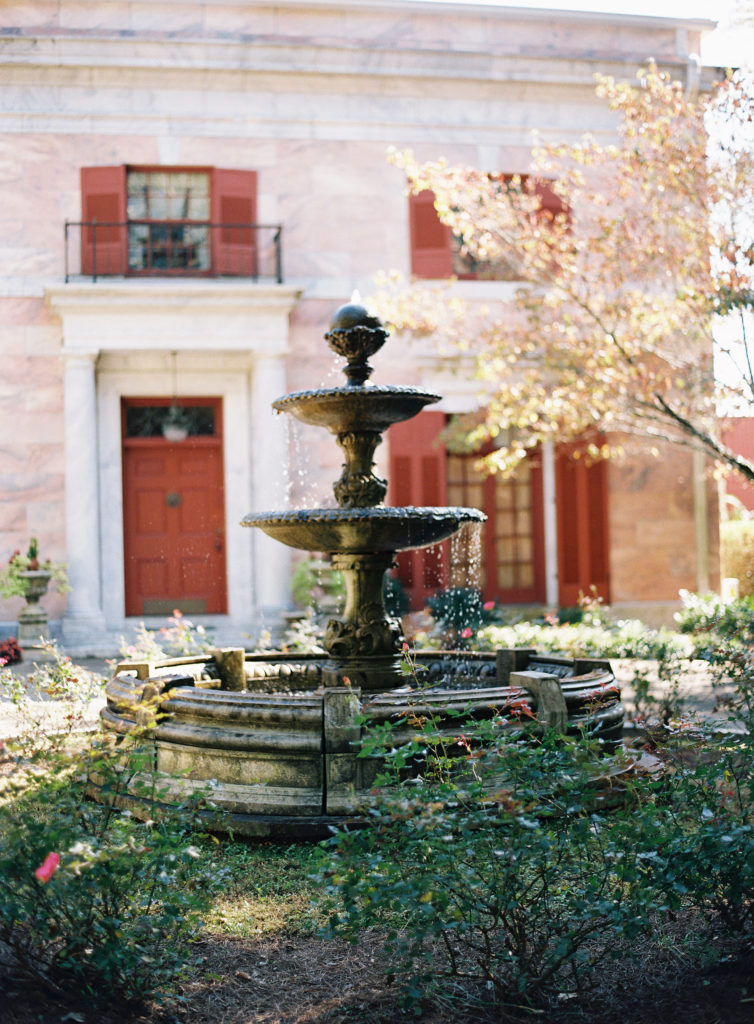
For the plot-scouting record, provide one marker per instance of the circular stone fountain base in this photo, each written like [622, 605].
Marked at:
[278, 749]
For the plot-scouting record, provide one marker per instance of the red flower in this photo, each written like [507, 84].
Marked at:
[48, 867]
[488, 606]
[467, 633]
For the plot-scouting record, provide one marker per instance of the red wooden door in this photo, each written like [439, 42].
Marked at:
[173, 513]
[581, 496]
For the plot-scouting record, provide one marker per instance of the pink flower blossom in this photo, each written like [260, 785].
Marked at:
[48, 867]
[467, 633]
[405, 647]
[488, 606]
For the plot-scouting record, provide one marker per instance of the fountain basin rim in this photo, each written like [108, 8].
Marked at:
[356, 407]
[363, 530]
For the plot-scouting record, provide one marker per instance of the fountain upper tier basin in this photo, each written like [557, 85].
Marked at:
[363, 407]
[363, 530]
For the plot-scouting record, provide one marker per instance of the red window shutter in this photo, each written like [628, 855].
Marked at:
[431, 246]
[552, 204]
[104, 250]
[417, 477]
[233, 203]
[583, 555]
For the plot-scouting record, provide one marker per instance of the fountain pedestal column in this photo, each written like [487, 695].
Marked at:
[365, 646]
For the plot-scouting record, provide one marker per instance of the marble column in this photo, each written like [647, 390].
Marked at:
[701, 522]
[84, 621]
[552, 582]
[269, 478]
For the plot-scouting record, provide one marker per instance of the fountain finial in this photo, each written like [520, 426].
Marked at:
[356, 334]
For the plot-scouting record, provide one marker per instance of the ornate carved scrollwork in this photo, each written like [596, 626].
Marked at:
[374, 634]
[358, 487]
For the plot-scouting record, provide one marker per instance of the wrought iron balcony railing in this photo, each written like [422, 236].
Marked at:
[141, 248]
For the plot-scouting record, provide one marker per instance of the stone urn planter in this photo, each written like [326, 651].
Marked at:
[27, 577]
[32, 619]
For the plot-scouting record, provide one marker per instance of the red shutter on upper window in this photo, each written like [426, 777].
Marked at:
[233, 207]
[104, 249]
[431, 246]
[551, 203]
[417, 477]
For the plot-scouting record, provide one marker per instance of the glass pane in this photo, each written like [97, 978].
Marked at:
[523, 496]
[136, 182]
[526, 576]
[178, 206]
[138, 235]
[455, 494]
[148, 420]
[504, 523]
[198, 240]
[504, 493]
[198, 207]
[505, 550]
[157, 205]
[525, 550]
[158, 184]
[505, 577]
[524, 523]
[136, 208]
[475, 496]
[455, 469]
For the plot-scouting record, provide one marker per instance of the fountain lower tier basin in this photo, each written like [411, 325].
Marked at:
[362, 407]
[280, 752]
[363, 530]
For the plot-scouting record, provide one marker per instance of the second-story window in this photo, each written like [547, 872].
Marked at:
[168, 220]
[438, 253]
[174, 221]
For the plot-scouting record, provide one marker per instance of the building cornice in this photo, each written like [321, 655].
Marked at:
[429, 9]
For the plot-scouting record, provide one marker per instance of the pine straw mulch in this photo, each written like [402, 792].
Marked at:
[294, 979]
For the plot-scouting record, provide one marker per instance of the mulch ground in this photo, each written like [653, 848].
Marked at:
[303, 980]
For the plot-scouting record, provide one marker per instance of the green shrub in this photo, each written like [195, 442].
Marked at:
[737, 553]
[459, 613]
[624, 639]
[91, 899]
[495, 865]
[707, 852]
[709, 618]
[315, 584]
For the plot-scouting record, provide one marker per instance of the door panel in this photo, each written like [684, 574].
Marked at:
[173, 525]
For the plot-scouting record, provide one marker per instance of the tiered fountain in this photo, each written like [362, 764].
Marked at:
[279, 735]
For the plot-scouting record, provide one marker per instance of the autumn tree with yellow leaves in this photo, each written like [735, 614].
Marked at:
[619, 284]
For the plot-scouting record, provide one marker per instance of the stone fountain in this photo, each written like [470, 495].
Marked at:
[278, 735]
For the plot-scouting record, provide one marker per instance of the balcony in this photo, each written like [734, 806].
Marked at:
[151, 248]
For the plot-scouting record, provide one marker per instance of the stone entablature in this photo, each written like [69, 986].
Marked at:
[186, 314]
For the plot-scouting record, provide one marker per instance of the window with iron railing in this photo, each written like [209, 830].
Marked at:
[158, 221]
